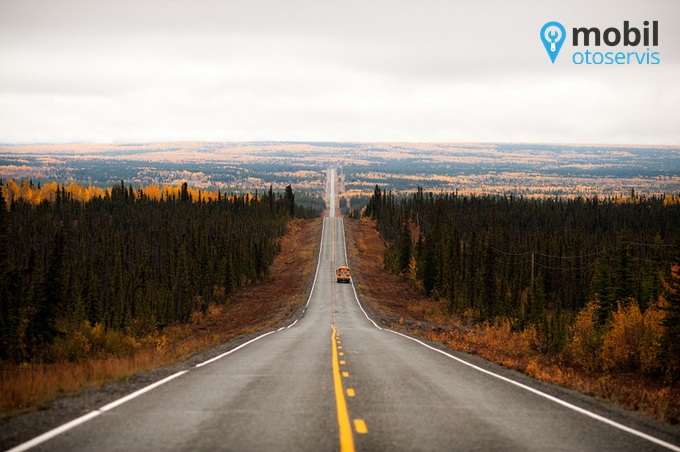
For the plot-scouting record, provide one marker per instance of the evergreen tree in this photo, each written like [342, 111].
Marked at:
[405, 245]
[4, 225]
[125, 260]
[7, 317]
[670, 345]
[50, 299]
[530, 259]
[289, 201]
[270, 200]
[429, 267]
[603, 290]
[489, 288]
[184, 193]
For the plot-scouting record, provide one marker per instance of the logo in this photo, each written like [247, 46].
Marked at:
[553, 36]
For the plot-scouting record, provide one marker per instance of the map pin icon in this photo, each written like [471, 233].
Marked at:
[553, 36]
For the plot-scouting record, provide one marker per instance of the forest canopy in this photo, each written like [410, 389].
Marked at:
[125, 259]
[551, 265]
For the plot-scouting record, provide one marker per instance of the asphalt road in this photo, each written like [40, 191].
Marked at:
[334, 380]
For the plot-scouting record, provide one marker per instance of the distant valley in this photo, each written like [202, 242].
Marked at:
[529, 170]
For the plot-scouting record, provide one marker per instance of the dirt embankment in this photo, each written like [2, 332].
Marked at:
[272, 301]
[392, 299]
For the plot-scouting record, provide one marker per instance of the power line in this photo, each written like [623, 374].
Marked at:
[550, 256]
[651, 244]
[579, 256]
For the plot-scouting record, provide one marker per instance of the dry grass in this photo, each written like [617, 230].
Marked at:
[259, 306]
[403, 306]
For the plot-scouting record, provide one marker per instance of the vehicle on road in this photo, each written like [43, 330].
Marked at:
[343, 274]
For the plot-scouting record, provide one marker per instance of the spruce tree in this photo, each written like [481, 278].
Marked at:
[405, 246]
[289, 200]
[7, 320]
[49, 299]
[670, 344]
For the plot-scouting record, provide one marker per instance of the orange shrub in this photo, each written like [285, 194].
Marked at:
[632, 339]
[584, 347]
[621, 341]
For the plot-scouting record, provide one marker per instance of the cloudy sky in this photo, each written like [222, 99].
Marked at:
[242, 70]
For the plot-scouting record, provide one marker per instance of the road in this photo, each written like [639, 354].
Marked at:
[335, 380]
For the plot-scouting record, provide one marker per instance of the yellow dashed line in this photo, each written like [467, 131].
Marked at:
[360, 426]
[342, 362]
[346, 436]
[350, 392]
[345, 374]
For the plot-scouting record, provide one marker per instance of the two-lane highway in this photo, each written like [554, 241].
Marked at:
[335, 380]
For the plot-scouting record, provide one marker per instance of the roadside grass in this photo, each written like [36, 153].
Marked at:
[400, 304]
[104, 357]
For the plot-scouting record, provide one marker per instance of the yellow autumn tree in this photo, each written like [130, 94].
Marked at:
[584, 347]
[632, 340]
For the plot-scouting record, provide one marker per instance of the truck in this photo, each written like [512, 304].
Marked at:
[343, 274]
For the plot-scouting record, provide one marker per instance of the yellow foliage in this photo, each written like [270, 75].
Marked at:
[161, 343]
[153, 192]
[622, 338]
[47, 192]
[670, 200]
[197, 317]
[584, 347]
[214, 310]
[651, 343]
[632, 340]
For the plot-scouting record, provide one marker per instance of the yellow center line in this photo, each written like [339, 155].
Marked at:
[345, 427]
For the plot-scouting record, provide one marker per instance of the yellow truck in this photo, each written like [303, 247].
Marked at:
[343, 274]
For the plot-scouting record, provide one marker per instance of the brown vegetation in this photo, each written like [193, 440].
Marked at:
[111, 355]
[595, 362]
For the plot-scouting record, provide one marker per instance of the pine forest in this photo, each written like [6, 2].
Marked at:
[597, 279]
[124, 260]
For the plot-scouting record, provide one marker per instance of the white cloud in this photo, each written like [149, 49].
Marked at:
[310, 70]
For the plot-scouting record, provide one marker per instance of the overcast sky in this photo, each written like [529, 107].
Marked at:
[121, 71]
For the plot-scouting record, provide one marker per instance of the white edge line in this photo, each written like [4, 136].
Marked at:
[551, 398]
[318, 263]
[292, 324]
[55, 432]
[135, 394]
[91, 415]
[233, 349]
[351, 280]
[362, 308]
